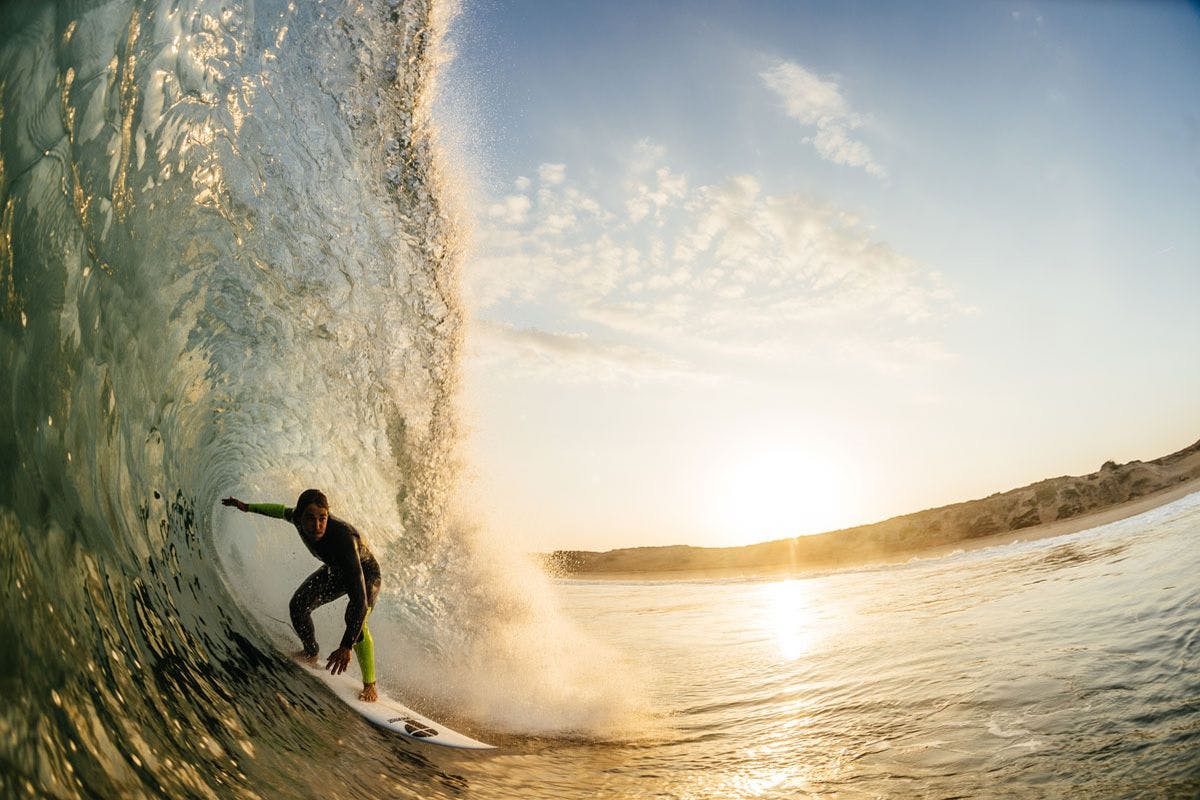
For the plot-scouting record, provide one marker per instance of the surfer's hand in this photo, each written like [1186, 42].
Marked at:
[238, 504]
[338, 660]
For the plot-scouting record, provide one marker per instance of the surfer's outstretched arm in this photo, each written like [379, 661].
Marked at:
[274, 510]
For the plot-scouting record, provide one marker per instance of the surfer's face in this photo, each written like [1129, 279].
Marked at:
[313, 520]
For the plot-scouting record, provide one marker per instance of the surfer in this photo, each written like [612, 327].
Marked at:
[348, 569]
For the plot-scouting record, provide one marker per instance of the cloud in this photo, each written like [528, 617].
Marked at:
[724, 271]
[512, 210]
[552, 174]
[818, 103]
[574, 357]
[666, 189]
[651, 186]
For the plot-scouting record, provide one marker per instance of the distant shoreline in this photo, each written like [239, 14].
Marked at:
[1063, 527]
[1049, 508]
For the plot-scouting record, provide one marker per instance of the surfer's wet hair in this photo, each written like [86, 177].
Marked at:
[309, 497]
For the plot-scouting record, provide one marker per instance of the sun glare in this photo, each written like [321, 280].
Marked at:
[792, 616]
[779, 493]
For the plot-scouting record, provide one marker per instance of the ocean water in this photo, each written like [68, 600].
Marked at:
[229, 255]
[1064, 667]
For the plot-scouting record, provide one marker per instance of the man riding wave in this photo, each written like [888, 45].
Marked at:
[348, 568]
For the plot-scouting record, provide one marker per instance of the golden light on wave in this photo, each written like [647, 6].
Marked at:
[756, 783]
[793, 616]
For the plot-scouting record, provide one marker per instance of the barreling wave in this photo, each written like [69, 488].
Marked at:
[228, 264]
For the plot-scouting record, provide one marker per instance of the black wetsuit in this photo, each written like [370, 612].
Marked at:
[348, 568]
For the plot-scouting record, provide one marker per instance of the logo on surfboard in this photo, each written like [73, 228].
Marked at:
[414, 728]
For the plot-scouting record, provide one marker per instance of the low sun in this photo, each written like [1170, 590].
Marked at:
[779, 493]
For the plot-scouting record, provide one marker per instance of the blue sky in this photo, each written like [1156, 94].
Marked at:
[743, 271]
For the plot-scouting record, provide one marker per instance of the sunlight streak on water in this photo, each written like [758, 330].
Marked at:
[793, 613]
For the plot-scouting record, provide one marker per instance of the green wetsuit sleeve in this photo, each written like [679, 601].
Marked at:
[276, 510]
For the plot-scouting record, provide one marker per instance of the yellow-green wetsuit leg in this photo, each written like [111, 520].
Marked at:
[364, 650]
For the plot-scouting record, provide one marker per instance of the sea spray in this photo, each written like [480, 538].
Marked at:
[509, 657]
[465, 623]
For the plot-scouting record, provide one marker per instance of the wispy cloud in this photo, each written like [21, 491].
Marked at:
[667, 274]
[652, 187]
[819, 103]
[511, 210]
[552, 174]
[574, 357]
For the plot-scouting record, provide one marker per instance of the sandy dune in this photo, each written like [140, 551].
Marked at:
[1051, 507]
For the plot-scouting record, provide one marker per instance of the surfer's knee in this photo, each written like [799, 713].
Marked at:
[373, 585]
[299, 605]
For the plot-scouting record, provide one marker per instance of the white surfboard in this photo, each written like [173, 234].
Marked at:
[395, 716]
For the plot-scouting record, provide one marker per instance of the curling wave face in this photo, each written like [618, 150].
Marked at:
[221, 256]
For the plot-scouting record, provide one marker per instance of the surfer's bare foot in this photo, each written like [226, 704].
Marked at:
[305, 658]
[367, 695]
